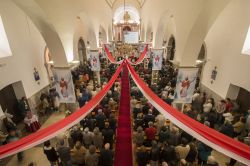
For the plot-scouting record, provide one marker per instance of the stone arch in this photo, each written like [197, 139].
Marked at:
[166, 26]
[51, 37]
[171, 48]
[201, 62]
[208, 15]
[82, 51]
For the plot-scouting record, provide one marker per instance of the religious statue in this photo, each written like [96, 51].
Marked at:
[64, 88]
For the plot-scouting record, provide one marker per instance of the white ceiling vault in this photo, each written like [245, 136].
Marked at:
[111, 3]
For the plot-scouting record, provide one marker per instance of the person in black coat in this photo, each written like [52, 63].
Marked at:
[154, 154]
[64, 154]
[192, 154]
[108, 135]
[112, 122]
[149, 118]
[227, 129]
[50, 152]
[100, 119]
[164, 134]
[106, 156]
[142, 156]
[76, 135]
[168, 154]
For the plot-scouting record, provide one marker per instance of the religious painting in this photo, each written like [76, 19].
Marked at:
[157, 55]
[94, 60]
[36, 75]
[185, 84]
[64, 85]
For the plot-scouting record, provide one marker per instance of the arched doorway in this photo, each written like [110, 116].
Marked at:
[126, 28]
[171, 48]
[200, 62]
[48, 64]
[82, 51]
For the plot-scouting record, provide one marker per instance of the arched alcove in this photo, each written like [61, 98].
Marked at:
[171, 48]
[82, 50]
[126, 28]
[202, 53]
[200, 62]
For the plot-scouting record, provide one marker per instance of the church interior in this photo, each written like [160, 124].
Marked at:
[124, 83]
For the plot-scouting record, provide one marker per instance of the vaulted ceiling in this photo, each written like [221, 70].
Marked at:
[111, 3]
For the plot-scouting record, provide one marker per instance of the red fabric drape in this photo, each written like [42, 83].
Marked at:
[139, 60]
[109, 56]
[47, 133]
[211, 137]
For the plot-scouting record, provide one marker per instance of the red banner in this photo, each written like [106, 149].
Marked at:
[47, 133]
[210, 137]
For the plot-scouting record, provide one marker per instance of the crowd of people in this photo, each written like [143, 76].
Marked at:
[91, 142]
[157, 141]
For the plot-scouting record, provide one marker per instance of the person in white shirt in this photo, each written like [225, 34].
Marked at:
[207, 106]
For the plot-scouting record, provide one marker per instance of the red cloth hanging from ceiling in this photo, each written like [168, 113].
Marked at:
[49, 132]
[211, 137]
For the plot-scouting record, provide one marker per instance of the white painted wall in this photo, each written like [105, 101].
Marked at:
[224, 44]
[63, 13]
[27, 46]
[192, 19]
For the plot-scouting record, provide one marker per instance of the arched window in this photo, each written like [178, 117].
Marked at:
[4, 44]
[200, 63]
[171, 48]
[202, 54]
[246, 47]
[82, 50]
[126, 28]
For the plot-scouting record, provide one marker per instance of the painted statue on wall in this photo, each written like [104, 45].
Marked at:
[36, 75]
[214, 74]
[64, 87]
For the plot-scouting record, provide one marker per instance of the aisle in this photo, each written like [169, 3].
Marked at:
[123, 153]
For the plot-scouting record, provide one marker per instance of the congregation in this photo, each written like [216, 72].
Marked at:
[156, 141]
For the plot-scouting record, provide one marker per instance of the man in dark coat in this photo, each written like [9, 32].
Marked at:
[106, 156]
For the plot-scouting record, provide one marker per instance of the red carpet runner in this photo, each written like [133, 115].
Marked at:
[123, 153]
